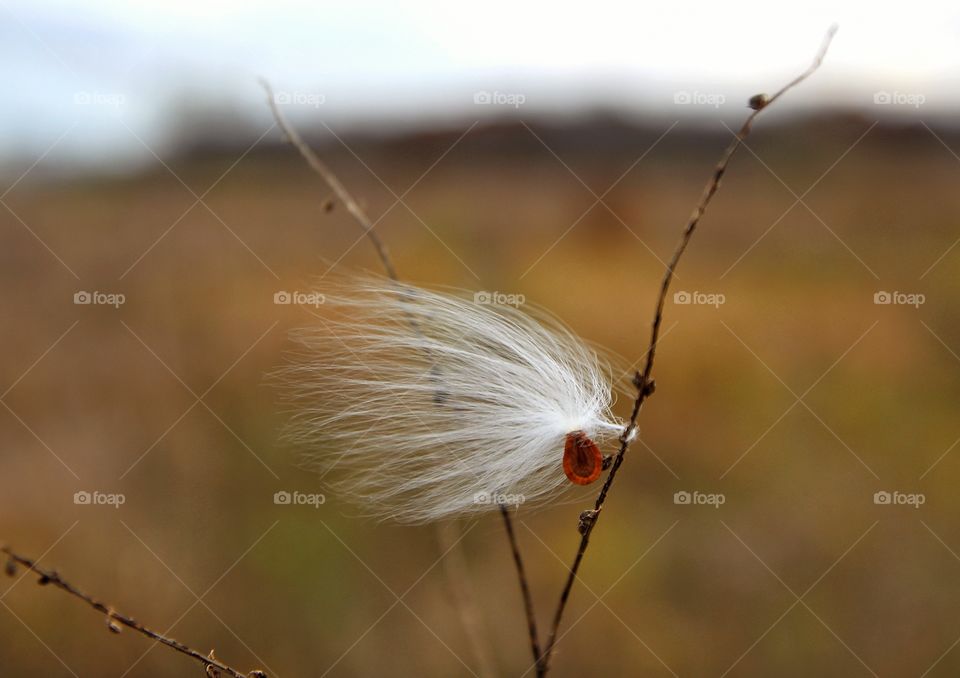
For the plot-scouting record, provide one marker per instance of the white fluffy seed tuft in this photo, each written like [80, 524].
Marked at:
[426, 405]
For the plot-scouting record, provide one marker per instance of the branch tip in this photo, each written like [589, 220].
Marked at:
[642, 379]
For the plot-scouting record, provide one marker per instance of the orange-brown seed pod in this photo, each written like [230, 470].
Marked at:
[582, 461]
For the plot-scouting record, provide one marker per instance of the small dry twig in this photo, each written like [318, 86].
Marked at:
[524, 589]
[643, 380]
[115, 619]
[342, 194]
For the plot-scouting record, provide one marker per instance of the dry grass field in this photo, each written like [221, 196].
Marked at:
[797, 399]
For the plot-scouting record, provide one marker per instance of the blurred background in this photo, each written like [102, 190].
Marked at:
[792, 505]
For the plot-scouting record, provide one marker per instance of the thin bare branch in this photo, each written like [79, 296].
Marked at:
[643, 379]
[115, 620]
[456, 568]
[320, 167]
[525, 591]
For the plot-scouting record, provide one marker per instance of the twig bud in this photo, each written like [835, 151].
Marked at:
[212, 671]
[587, 519]
[647, 387]
[758, 101]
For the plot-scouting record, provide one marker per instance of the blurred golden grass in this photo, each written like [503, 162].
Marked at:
[200, 498]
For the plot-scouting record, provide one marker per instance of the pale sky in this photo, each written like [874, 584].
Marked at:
[96, 72]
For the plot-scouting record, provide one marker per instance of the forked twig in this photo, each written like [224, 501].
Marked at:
[213, 666]
[643, 379]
